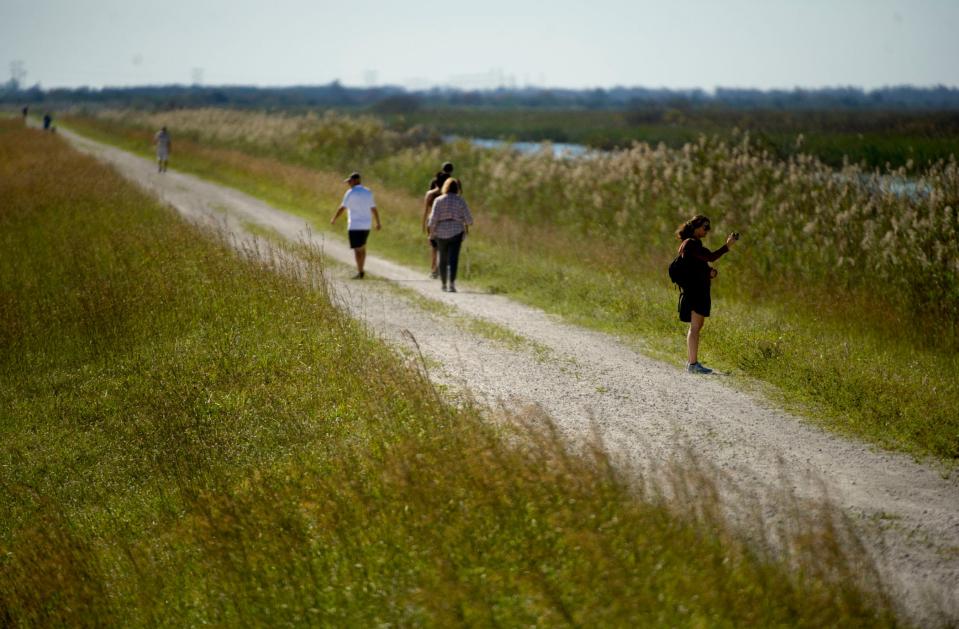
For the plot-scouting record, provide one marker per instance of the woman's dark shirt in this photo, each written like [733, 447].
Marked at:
[698, 258]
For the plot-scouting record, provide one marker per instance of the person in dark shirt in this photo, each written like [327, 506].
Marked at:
[435, 191]
[694, 298]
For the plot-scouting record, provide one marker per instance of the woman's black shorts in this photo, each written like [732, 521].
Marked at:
[358, 237]
[695, 299]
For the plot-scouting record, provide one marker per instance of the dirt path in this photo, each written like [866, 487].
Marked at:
[907, 512]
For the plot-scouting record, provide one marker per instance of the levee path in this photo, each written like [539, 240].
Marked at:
[906, 512]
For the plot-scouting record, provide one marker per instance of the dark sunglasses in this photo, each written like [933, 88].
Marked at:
[706, 226]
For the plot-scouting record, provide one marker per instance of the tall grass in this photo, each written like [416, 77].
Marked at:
[841, 294]
[806, 223]
[340, 138]
[193, 435]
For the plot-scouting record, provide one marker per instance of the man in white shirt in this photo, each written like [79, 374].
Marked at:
[361, 210]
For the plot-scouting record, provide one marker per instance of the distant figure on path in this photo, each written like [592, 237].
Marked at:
[164, 144]
[47, 121]
[447, 168]
[436, 189]
[361, 210]
[694, 299]
[449, 223]
[25, 111]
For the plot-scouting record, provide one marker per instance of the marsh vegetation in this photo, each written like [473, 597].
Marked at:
[844, 295]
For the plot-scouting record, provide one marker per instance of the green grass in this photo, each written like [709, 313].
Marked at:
[852, 364]
[190, 435]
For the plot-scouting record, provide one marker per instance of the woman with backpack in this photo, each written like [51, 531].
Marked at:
[694, 298]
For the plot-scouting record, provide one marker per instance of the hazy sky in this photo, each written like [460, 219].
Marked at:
[562, 43]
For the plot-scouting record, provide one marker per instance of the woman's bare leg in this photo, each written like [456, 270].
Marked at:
[692, 337]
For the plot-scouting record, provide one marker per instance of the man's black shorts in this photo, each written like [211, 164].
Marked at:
[358, 237]
[433, 242]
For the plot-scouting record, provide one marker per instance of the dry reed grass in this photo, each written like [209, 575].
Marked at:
[892, 233]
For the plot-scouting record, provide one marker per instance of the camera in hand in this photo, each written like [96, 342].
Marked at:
[735, 235]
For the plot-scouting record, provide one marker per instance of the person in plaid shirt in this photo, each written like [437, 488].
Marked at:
[436, 189]
[448, 224]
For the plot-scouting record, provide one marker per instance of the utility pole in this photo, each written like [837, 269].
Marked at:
[17, 74]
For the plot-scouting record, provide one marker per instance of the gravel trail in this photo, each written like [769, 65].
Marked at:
[907, 512]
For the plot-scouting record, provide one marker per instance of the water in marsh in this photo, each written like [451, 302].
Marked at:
[559, 149]
[899, 186]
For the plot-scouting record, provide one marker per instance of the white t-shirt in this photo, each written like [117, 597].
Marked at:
[358, 200]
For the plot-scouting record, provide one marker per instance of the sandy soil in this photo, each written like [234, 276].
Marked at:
[907, 512]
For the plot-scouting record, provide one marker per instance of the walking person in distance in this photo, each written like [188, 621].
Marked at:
[694, 299]
[447, 168]
[436, 189]
[361, 211]
[163, 144]
[449, 223]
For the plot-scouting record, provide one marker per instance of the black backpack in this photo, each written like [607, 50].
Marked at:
[679, 271]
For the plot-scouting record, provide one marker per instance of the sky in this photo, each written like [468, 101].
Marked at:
[680, 44]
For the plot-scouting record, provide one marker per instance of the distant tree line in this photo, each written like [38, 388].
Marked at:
[394, 99]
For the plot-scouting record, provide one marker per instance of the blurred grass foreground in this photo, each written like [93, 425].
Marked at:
[190, 435]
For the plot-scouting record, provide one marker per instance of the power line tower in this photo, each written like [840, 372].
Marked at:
[17, 74]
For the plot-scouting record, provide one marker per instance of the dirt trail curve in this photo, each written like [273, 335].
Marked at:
[907, 512]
